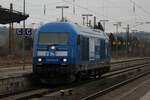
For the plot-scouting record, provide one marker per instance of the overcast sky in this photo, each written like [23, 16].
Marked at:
[112, 10]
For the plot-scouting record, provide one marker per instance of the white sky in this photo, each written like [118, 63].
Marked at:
[112, 10]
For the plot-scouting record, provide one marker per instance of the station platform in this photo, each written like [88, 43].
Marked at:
[14, 71]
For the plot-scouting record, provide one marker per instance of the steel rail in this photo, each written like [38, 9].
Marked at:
[116, 72]
[113, 63]
[127, 60]
[107, 90]
[104, 76]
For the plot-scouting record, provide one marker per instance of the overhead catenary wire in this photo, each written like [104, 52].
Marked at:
[85, 8]
[37, 8]
[96, 13]
[140, 7]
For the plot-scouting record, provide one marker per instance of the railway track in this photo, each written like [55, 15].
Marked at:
[111, 88]
[115, 65]
[115, 69]
[114, 73]
[111, 81]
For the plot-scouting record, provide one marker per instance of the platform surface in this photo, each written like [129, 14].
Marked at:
[14, 71]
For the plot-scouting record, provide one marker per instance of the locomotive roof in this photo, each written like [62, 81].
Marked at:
[71, 27]
[91, 32]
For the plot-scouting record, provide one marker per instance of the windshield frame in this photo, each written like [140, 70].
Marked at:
[66, 42]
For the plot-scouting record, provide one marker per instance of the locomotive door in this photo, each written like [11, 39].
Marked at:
[91, 49]
[103, 49]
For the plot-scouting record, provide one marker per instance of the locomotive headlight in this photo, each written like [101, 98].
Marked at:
[53, 47]
[39, 59]
[65, 60]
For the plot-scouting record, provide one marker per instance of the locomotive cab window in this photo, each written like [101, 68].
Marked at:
[54, 38]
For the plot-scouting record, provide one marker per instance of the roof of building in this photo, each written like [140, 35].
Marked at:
[7, 16]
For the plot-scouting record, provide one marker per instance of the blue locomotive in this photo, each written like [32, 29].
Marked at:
[64, 52]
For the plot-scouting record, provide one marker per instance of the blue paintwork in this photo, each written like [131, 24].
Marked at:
[74, 55]
[58, 27]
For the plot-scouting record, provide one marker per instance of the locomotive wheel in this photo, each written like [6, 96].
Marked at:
[35, 79]
[78, 77]
[95, 74]
[82, 76]
[71, 77]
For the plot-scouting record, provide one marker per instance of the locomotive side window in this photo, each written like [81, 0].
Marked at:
[78, 39]
[53, 38]
[84, 48]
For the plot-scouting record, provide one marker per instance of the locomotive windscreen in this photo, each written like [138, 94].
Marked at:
[53, 38]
